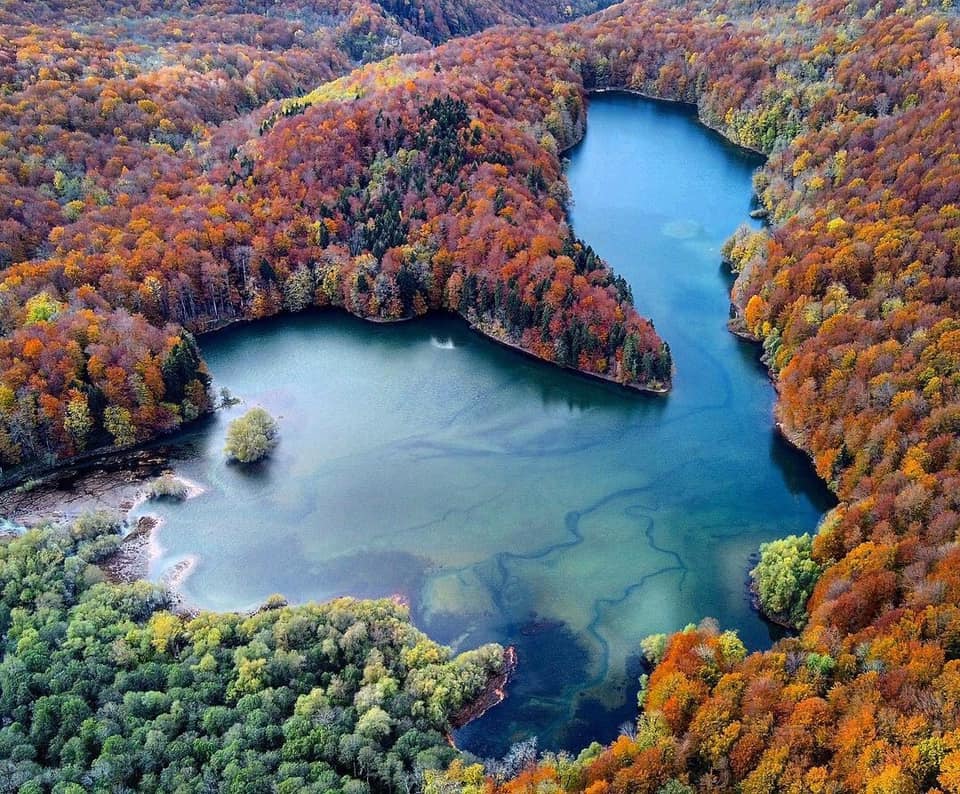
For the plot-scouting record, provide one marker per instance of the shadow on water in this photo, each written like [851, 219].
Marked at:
[367, 575]
[798, 473]
[538, 693]
[505, 367]
[595, 721]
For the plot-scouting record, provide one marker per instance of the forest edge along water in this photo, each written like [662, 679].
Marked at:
[503, 499]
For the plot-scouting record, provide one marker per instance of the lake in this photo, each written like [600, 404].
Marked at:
[506, 499]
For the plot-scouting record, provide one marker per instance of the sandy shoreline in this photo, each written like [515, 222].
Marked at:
[120, 490]
[172, 581]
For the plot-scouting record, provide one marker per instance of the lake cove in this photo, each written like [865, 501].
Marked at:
[506, 499]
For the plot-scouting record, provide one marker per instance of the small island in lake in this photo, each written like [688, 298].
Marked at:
[251, 437]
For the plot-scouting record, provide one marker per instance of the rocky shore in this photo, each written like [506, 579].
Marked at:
[117, 486]
[132, 560]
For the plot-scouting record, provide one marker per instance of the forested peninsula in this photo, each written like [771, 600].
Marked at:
[193, 174]
[167, 201]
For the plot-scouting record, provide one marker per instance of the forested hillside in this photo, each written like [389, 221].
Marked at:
[103, 688]
[433, 181]
[138, 203]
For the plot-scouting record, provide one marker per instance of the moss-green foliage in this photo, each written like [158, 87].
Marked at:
[41, 308]
[103, 689]
[820, 663]
[785, 577]
[654, 648]
[169, 486]
[675, 787]
[251, 437]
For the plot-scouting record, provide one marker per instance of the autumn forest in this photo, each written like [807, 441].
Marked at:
[172, 167]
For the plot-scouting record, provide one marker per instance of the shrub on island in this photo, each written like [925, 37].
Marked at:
[251, 437]
[168, 486]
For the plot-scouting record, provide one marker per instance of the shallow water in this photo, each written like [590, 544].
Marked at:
[506, 499]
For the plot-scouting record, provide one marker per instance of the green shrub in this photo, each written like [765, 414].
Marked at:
[251, 437]
[820, 663]
[92, 525]
[784, 578]
[168, 486]
[654, 647]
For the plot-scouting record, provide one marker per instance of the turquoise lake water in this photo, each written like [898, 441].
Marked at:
[508, 500]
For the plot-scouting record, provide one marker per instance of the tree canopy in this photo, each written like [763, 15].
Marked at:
[785, 577]
[251, 437]
[103, 687]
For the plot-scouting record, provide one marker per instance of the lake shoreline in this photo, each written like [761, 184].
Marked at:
[38, 476]
[139, 548]
[692, 106]
[131, 561]
[50, 475]
[114, 482]
[776, 620]
[493, 694]
[594, 376]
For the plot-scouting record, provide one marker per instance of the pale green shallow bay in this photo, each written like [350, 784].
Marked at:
[509, 500]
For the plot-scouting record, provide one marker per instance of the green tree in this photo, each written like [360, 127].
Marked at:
[78, 422]
[374, 724]
[784, 578]
[251, 437]
[654, 647]
[182, 366]
[298, 289]
[119, 423]
[42, 308]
